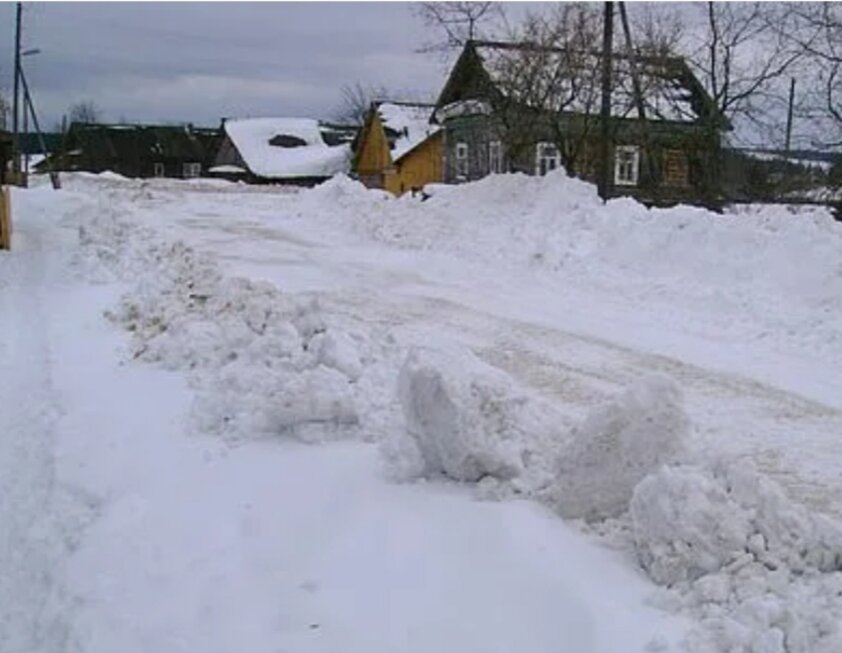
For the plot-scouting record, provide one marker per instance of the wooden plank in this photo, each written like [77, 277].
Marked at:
[5, 219]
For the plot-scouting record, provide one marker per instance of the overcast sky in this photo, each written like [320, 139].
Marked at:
[198, 62]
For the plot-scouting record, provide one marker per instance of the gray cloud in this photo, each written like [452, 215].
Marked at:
[202, 61]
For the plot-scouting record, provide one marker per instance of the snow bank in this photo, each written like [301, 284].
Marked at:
[759, 571]
[617, 446]
[652, 259]
[260, 361]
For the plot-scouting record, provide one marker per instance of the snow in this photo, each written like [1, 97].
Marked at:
[530, 354]
[411, 121]
[227, 169]
[617, 446]
[251, 137]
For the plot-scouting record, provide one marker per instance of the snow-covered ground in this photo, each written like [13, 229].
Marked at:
[171, 351]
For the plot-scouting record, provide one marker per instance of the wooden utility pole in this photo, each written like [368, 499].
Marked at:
[54, 178]
[16, 100]
[789, 115]
[605, 112]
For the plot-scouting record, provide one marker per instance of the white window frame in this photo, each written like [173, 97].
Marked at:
[550, 161]
[626, 165]
[159, 169]
[495, 157]
[463, 166]
[191, 170]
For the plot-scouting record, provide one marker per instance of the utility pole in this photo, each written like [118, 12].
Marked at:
[16, 100]
[54, 178]
[789, 115]
[605, 111]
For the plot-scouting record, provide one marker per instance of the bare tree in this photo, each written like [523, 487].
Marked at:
[548, 67]
[742, 60]
[85, 111]
[815, 30]
[456, 23]
[356, 102]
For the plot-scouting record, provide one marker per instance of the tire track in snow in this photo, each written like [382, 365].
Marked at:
[578, 371]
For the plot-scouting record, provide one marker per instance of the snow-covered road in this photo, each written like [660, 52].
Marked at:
[125, 528]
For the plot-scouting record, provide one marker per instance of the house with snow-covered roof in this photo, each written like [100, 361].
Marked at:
[398, 149]
[524, 107]
[132, 150]
[300, 151]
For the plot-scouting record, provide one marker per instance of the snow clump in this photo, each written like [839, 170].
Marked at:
[618, 445]
[761, 573]
[463, 417]
[692, 521]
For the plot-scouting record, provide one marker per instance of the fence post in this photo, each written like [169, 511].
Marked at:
[5, 218]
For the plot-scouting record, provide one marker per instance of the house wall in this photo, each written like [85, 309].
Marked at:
[374, 160]
[421, 166]
[678, 162]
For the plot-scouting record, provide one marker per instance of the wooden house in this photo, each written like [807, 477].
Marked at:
[132, 150]
[296, 151]
[398, 149]
[522, 107]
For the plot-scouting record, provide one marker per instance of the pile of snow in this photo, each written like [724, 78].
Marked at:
[260, 361]
[314, 158]
[617, 446]
[689, 522]
[761, 573]
[751, 272]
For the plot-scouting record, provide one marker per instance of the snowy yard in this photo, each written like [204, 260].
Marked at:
[506, 418]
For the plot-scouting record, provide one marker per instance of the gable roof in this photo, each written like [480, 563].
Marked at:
[280, 148]
[407, 125]
[670, 90]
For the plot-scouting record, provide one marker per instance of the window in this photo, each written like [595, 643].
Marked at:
[192, 170]
[495, 157]
[626, 165]
[675, 168]
[159, 170]
[462, 166]
[547, 157]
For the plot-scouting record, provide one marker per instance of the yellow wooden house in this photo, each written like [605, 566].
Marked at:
[398, 149]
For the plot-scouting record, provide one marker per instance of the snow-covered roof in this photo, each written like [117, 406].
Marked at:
[310, 157]
[668, 88]
[411, 122]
